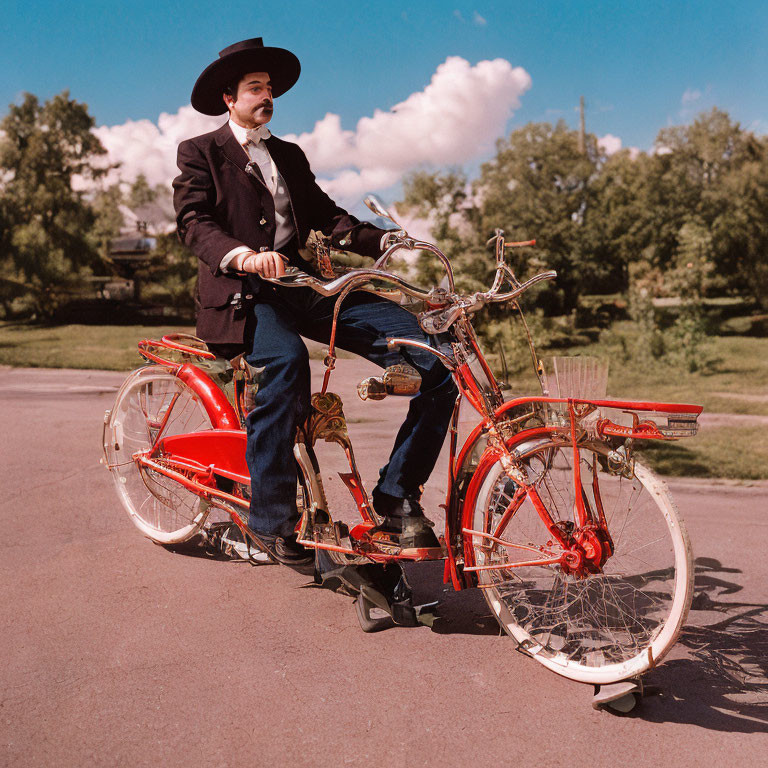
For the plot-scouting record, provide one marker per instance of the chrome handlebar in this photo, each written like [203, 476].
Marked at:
[398, 240]
[436, 296]
[294, 278]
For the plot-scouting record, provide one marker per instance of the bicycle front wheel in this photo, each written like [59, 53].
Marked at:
[595, 627]
[152, 403]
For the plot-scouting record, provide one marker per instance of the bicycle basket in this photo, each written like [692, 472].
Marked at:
[583, 378]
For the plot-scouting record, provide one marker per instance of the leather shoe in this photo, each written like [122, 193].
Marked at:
[404, 523]
[285, 549]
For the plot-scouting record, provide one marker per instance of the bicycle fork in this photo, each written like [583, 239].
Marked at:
[579, 547]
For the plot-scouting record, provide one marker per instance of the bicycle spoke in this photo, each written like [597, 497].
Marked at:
[588, 619]
[155, 405]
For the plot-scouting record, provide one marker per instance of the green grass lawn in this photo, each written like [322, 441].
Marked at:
[718, 452]
[106, 347]
[734, 381]
[739, 366]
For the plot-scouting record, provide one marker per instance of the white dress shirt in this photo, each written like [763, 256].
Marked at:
[259, 154]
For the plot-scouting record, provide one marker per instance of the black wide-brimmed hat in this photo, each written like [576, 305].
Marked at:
[238, 60]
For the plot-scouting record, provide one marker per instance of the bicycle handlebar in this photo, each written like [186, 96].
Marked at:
[437, 296]
[401, 240]
[297, 278]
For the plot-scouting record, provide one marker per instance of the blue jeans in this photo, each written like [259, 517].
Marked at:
[283, 398]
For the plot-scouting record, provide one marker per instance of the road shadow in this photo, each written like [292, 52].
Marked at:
[717, 677]
[721, 682]
[458, 613]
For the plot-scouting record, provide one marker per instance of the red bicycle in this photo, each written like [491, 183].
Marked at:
[579, 549]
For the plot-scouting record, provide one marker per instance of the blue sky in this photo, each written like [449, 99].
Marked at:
[639, 65]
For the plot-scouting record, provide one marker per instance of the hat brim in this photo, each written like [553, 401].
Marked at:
[283, 68]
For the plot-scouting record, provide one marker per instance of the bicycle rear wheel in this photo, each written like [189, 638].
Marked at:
[153, 401]
[599, 627]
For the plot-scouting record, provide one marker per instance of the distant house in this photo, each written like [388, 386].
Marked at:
[132, 250]
[155, 218]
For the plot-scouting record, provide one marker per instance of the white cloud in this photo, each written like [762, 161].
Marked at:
[455, 119]
[141, 146]
[609, 143]
[478, 20]
[612, 144]
[690, 96]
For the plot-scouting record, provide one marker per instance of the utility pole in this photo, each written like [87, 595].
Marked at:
[582, 131]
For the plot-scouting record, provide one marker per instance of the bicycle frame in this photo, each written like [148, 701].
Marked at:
[516, 500]
[196, 460]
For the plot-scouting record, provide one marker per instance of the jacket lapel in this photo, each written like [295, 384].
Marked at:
[236, 154]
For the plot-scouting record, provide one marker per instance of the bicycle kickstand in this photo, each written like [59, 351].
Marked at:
[620, 697]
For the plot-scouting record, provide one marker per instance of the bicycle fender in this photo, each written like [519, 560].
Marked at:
[219, 410]
[519, 444]
[221, 450]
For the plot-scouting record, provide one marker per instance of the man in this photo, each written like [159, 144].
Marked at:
[245, 203]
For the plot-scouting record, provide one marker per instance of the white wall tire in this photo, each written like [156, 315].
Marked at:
[159, 507]
[609, 626]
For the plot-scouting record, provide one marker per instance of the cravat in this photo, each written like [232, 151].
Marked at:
[257, 134]
[258, 152]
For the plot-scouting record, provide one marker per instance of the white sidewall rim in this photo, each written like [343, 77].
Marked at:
[148, 373]
[660, 645]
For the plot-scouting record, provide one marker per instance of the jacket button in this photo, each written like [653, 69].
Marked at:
[262, 221]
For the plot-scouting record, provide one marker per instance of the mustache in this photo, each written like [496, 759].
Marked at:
[266, 105]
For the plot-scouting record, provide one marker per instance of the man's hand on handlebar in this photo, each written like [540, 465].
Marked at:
[264, 264]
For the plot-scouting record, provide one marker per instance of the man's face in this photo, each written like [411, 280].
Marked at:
[253, 105]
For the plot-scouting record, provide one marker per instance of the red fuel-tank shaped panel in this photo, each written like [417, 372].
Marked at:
[224, 449]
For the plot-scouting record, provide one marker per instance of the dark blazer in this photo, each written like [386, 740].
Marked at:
[220, 205]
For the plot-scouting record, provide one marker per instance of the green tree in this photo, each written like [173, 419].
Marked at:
[441, 198]
[538, 186]
[12, 284]
[541, 186]
[689, 279]
[174, 270]
[740, 226]
[617, 228]
[108, 220]
[688, 220]
[712, 172]
[42, 150]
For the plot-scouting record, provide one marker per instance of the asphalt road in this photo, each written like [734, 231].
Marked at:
[117, 652]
